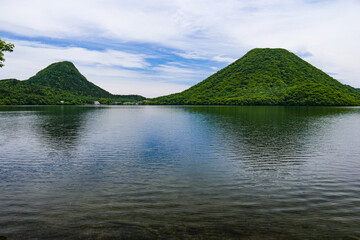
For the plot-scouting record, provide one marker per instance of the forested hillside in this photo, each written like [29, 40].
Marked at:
[267, 77]
[59, 83]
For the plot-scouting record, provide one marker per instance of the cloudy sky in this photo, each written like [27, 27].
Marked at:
[158, 47]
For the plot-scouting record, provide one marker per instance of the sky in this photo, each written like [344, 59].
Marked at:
[158, 47]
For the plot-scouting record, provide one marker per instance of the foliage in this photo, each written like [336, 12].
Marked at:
[356, 89]
[60, 83]
[64, 76]
[267, 77]
[4, 47]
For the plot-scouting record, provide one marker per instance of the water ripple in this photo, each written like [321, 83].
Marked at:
[179, 172]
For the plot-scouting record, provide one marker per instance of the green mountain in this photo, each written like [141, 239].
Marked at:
[58, 83]
[64, 76]
[267, 77]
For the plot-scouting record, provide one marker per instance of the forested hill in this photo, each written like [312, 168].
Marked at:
[62, 76]
[59, 83]
[267, 77]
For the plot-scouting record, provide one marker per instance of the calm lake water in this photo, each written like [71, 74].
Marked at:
[173, 172]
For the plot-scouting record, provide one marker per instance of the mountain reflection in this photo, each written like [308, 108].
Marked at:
[61, 127]
[264, 138]
[221, 172]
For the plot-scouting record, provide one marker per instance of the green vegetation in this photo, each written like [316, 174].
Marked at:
[267, 77]
[59, 83]
[261, 77]
[4, 47]
[64, 76]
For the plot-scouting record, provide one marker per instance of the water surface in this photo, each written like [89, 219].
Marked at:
[173, 172]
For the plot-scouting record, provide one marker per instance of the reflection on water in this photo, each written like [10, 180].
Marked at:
[271, 136]
[134, 172]
[61, 127]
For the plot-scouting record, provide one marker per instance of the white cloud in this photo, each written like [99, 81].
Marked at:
[116, 71]
[173, 69]
[223, 59]
[30, 57]
[220, 31]
[191, 55]
[205, 56]
[122, 81]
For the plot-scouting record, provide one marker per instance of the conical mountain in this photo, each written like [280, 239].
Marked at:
[267, 77]
[59, 83]
[64, 76]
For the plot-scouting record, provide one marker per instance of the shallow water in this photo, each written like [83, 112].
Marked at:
[174, 172]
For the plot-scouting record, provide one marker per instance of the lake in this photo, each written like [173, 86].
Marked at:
[179, 172]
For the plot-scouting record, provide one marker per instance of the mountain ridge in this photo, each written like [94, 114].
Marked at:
[263, 76]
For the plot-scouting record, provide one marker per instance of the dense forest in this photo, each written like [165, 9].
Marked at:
[267, 77]
[59, 83]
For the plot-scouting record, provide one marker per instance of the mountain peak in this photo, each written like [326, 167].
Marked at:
[267, 76]
[268, 50]
[67, 63]
[65, 76]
